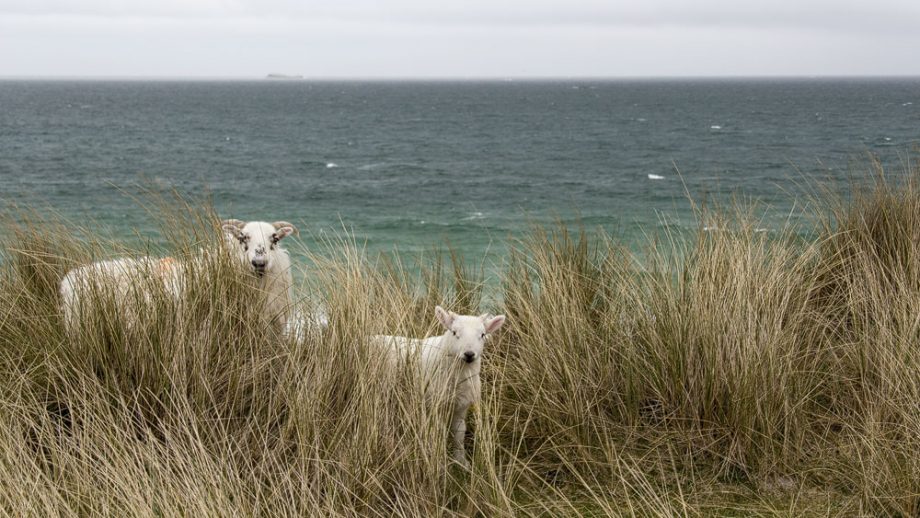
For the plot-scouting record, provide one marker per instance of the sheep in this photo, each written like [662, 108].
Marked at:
[255, 244]
[116, 275]
[300, 322]
[455, 358]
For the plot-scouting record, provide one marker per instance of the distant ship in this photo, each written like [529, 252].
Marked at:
[282, 76]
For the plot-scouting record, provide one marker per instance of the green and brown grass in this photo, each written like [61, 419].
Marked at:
[734, 373]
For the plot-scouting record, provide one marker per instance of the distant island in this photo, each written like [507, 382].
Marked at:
[282, 76]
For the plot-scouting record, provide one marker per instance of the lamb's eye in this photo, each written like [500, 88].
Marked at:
[456, 335]
[483, 335]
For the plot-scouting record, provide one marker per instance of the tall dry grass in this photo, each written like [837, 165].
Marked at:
[723, 372]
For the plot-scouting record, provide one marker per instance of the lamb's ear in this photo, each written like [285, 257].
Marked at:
[445, 317]
[493, 323]
[282, 230]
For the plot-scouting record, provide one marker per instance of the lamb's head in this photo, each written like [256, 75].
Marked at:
[256, 242]
[466, 334]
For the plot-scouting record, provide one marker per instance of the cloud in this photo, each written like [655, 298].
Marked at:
[824, 14]
[476, 38]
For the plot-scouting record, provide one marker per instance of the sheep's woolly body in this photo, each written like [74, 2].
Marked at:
[125, 279]
[136, 279]
[436, 365]
[276, 286]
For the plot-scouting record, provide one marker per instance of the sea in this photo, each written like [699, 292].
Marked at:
[413, 166]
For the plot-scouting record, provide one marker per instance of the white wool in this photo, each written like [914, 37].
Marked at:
[118, 277]
[253, 242]
[453, 359]
[300, 324]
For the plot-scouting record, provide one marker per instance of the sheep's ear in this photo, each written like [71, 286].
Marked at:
[234, 222]
[493, 323]
[282, 230]
[445, 317]
[229, 226]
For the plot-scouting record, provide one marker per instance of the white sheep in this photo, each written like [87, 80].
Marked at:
[255, 244]
[127, 280]
[454, 358]
[300, 322]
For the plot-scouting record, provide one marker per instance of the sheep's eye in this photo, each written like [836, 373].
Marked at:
[455, 334]
[483, 335]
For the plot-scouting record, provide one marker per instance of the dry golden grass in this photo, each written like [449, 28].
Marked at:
[731, 372]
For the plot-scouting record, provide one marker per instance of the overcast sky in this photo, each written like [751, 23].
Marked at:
[453, 39]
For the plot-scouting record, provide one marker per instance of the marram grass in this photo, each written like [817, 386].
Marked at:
[730, 372]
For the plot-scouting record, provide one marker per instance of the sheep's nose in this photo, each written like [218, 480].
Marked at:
[259, 263]
[469, 356]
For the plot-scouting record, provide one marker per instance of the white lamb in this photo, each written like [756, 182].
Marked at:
[255, 244]
[455, 358]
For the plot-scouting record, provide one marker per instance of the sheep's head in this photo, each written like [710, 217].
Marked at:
[256, 241]
[467, 334]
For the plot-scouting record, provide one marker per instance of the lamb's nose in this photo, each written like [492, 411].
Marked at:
[259, 263]
[469, 356]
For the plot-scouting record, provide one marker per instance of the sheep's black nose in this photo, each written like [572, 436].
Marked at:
[469, 356]
[259, 263]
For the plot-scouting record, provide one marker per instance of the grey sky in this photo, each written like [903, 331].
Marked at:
[474, 38]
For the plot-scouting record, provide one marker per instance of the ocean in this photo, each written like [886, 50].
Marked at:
[412, 166]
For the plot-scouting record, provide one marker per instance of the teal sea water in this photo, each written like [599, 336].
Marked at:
[412, 165]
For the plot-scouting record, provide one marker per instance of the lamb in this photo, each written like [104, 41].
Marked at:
[455, 358]
[255, 244]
